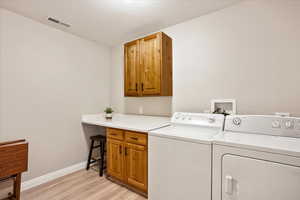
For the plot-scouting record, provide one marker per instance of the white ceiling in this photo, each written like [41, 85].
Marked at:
[113, 21]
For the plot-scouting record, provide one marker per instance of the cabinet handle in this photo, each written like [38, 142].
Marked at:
[125, 151]
[113, 134]
[142, 86]
[134, 138]
[229, 185]
[120, 149]
[136, 87]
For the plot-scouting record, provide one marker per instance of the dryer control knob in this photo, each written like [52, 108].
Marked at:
[289, 124]
[297, 125]
[237, 121]
[276, 124]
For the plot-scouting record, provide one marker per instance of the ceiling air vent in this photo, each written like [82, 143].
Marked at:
[58, 22]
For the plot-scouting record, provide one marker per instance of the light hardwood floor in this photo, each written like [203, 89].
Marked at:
[81, 185]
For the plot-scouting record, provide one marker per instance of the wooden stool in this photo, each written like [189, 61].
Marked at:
[102, 143]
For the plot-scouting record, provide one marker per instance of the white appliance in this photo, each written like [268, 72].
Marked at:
[180, 157]
[257, 158]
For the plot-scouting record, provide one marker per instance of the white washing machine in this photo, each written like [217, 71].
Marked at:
[180, 159]
[257, 158]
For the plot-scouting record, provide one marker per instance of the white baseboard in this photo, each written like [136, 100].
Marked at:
[51, 176]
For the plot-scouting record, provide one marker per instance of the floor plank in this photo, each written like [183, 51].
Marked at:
[81, 185]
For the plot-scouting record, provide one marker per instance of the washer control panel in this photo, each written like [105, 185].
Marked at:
[198, 119]
[261, 124]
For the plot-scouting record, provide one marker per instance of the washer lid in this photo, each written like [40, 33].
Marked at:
[187, 133]
[267, 143]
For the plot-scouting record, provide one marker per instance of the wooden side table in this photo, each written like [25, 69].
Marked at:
[13, 162]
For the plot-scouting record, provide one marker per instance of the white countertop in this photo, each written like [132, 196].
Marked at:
[139, 123]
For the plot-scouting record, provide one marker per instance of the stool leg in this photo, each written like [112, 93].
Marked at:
[101, 161]
[90, 155]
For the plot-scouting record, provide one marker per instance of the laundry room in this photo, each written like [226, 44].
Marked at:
[149, 99]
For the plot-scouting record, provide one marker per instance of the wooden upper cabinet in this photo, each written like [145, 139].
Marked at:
[131, 68]
[148, 66]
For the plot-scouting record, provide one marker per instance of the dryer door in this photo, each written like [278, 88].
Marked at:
[252, 179]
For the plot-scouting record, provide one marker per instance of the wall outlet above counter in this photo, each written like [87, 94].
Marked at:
[141, 110]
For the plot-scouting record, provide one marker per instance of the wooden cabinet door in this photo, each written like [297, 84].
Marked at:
[131, 70]
[136, 166]
[150, 65]
[115, 158]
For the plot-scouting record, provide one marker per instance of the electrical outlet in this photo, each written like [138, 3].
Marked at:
[141, 110]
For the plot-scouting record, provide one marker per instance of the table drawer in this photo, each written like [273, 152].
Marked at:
[136, 138]
[13, 159]
[115, 133]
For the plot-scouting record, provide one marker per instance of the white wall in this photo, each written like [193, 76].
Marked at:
[48, 78]
[249, 52]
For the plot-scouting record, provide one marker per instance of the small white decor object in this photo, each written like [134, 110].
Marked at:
[108, 113]
[223, 106]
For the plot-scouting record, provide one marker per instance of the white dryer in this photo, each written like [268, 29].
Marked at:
[180, 159]
[257, 158]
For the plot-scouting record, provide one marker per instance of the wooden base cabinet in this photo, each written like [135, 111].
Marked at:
[115, 161]
[127, 158]
[136, 166]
